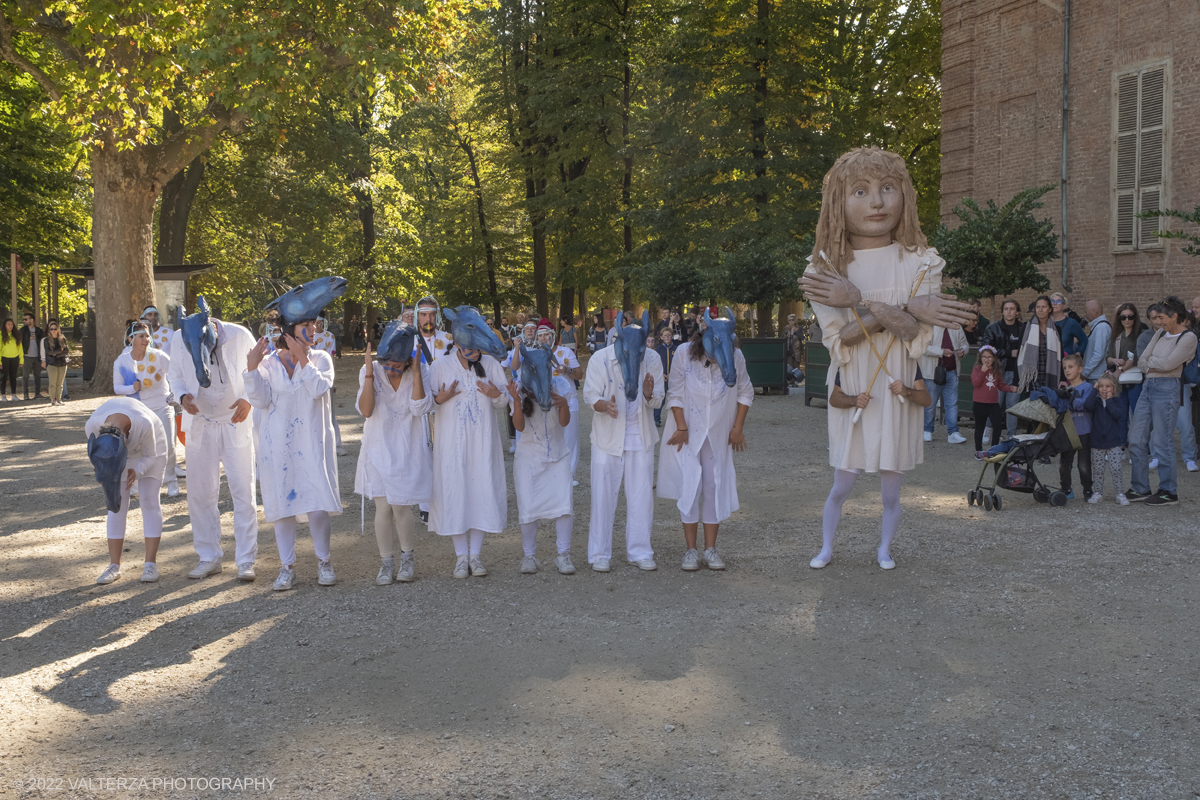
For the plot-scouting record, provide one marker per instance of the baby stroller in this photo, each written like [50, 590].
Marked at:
[1015, 470]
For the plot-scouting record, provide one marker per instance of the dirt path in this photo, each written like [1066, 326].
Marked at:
[1024, 653]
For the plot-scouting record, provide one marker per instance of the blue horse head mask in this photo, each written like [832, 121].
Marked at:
[306, 300]
[470, 331]
[109, 455]
[719, 338]
[537, 373]
[200, 338]
[398, 341]
[629, 346]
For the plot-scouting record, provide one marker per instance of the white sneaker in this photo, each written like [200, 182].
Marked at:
[286, 579]
[713, 559]
[1122, 500]
[928, 436]
[691, 560]
[1095, 498]
[461, 568]
[478, 570]
[601, 565]
[173, 489]
[956, 438]
[512, 448]
[180, 472]
[408, 568]
[1191, 467]
[576, 483]
[341, 451]
[387, 568]
[529, 565]
[246, 572]
[110, 574]
[1154, 463]
[820, 563]
[563, 562]
[325, 576]
[149, 573]
[646, 564]
[204, 569]
[886, 563]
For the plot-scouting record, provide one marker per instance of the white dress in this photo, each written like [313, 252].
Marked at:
[297, 467]
[542, 464]
[470, 490]
[888, 437]
[395, 460]
[709, 408]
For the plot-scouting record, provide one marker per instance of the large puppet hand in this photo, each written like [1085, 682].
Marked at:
[830, 290]
[941, 309]
[895, 320]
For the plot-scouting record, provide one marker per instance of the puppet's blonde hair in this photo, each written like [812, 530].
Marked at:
[832, 237]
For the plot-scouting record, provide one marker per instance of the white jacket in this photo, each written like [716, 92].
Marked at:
[602, 381]
[933, 353]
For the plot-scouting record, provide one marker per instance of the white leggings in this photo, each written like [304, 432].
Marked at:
[319, 525]
[474, 536]
[708, 487]
[148, 489]
[562, 527]
[390, 518]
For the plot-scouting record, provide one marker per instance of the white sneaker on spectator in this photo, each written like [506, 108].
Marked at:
[928, 436]
[286, 579]
[956, 438]
[1095, 498]
[1122, 500]
[1154, 463]
[110, 574]
[149, 573]
[204, 569]
[1191, 467]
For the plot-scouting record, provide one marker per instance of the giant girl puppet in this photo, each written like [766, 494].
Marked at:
[297, 462]
[875, 286]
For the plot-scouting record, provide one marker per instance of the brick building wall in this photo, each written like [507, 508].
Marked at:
[1002, 69]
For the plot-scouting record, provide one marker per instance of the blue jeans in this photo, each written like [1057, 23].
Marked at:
[661, 406]
[1153, 426]
[949, 395]
[1187, 431]
[1010, 400]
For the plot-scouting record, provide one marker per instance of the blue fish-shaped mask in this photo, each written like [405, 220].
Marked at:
[719, 339]
[306, 300]
[109, 455]
[537, 373]
[470, 331]
[398, 341]
[200, 338]
[629, 346]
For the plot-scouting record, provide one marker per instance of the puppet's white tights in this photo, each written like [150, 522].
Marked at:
[461, 540]
[843, 482]
[319, 525]
[397, 519]
[562, 528]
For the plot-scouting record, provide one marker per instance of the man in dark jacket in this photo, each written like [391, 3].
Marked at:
[1005, 335]
[31, 342]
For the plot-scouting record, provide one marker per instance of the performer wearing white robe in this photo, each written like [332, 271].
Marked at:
[215, 440]
[542, 478]
[622, 447]
[395, 464]
[296, 460]
[146, 380]
[146, 455]
[470, 491]
[324, 341]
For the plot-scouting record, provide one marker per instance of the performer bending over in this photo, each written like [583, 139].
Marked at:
[470, 493]
[542, 465]
[871, 260]
[127, 444]
[395, 466]
[709, 398]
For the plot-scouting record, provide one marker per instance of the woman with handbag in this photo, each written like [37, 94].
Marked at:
[1122, 353]
[1040, 360]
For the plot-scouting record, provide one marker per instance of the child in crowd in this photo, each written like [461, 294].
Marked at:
[988, 381]
[1110, 433]
[1080, 389]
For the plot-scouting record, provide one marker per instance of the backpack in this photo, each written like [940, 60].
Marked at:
[1191, 370]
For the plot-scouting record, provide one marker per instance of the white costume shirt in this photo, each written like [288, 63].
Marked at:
[709, 409]
[542, 464]
[146, 444]
[395, 460]
[437, 345]
[161, 339]
[602, 381]
[325, 341]
[470, 490]
[226, 386]
[297, 467]
[144, 380]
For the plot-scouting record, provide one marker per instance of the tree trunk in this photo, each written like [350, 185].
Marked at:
[766, 321]
[583, 309]
[627, 176]
[538, 219]
[489, 257]
[122, 249]
[566, 300]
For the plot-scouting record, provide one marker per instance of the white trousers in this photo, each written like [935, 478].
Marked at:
[708, 488]
[571, 432]
[166, 415]
[204, 489]
[637, 468]
[320, 525]
[151, 510]
[563, 527]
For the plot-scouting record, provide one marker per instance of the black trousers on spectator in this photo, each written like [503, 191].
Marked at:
[985, 413]
[1067, 459]
[11, 369]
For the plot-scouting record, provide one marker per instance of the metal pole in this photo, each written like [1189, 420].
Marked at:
[14, 265]
[1065, 96]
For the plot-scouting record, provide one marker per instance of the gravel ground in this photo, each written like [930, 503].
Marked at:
[1030, 652]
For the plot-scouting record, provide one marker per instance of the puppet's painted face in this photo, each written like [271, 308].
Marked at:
[306, 301]
[874, 207]
[396, 344]
[109, 455]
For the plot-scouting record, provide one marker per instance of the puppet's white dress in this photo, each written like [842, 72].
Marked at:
[470, 491]
[395, 460]
[297, 467]
[888, 437]
[542, 464]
